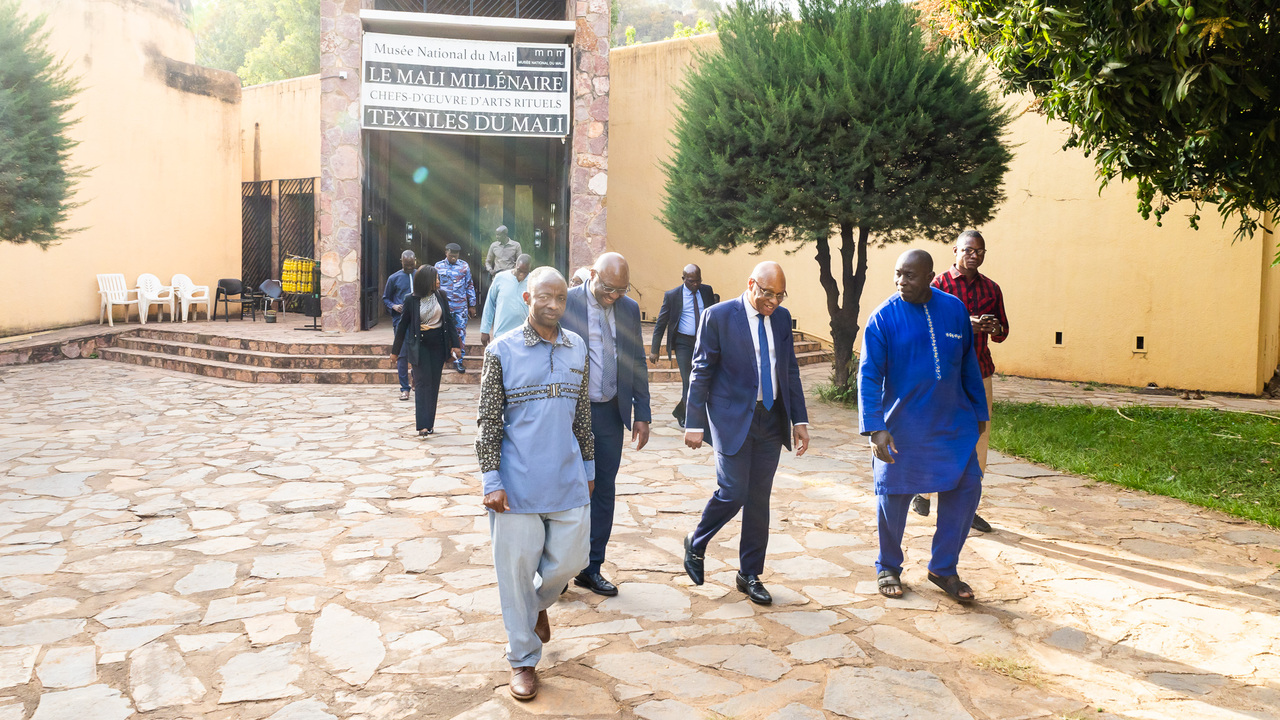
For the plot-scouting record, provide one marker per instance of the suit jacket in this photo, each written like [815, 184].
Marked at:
[672, 308]
[409, 331]
[633, 373]
[724, 381]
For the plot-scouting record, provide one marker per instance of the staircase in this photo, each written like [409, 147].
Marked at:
[269, 361]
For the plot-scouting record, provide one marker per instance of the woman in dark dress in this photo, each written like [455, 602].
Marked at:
[428, 335]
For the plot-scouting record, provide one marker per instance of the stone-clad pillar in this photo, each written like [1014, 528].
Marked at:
[589, 167]
[341, 164]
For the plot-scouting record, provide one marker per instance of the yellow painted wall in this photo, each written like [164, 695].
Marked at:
[162, 193]
[286, 117]
[1068, 259]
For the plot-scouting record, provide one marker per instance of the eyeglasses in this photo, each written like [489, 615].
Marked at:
[771, 295]
[609, 290]
[977, 252]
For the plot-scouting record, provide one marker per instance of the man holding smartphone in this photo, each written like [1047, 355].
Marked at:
[985, 303]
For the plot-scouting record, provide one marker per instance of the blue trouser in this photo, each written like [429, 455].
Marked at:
[606, 425]
[460, 318]
[745, 482]
[402, 361]
[955, 516]
[683, 348]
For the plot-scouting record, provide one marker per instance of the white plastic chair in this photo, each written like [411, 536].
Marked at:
[112, 291]
[151, 292]
[188, 294]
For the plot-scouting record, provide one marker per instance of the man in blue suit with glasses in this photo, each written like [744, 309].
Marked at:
[745, 391]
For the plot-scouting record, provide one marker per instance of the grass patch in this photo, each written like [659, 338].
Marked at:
[1013, 668]
[831, 393]
[1221, 460]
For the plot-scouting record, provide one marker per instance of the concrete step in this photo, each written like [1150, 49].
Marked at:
[253, 374]
[259, 361]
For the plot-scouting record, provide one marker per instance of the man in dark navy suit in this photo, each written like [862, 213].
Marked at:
[618, 385]
[745, 389]
[681, 312]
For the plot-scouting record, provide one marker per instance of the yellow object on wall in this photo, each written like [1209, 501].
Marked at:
[159, 139]
[1070, 259]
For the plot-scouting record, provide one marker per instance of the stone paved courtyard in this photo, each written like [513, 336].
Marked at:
[175, 547]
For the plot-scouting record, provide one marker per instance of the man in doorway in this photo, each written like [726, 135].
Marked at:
[609, 321]
[679, 318]
[460, 288]
[504, 306]
[745, 390]
[919, 385]
[399, 285]
[503, 253]
[985, 303]
[537, 458]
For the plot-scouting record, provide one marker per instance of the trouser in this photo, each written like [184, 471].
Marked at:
[955, 516]
[426, 377]
[534, 556]
[460, 318]
[402, 361]
[984, 440]
[745, 482]
[683, 348]
[606, 425]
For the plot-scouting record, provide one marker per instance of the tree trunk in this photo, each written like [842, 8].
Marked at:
[844, 316]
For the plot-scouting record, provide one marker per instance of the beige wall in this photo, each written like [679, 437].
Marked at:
[282, 121]
[160, 139]
[1068, 258]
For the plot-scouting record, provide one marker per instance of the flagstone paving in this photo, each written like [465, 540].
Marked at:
[175, 547]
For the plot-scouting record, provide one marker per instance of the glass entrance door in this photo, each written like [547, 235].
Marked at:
[441, 189]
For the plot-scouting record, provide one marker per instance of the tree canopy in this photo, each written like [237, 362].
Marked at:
[259, 40]
[37, 179]
[1180, 96]
[841, 124]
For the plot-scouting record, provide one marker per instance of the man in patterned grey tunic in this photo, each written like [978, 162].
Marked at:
[537, 456]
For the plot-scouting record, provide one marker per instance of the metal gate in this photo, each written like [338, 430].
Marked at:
[255, 232]
[297, 218]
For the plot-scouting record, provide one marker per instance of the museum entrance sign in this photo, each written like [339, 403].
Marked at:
[465, 87]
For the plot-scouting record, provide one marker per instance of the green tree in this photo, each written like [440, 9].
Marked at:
[36, 93]
[259, 40]
[841, 125]
[1180, 96]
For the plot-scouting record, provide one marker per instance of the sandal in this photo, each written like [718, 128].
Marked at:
[953, 586]
[889, 584]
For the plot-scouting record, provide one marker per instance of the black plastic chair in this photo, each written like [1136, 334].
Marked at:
[230, 291]
[271, 292]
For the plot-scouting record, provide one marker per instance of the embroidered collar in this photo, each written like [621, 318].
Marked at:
[531, 336]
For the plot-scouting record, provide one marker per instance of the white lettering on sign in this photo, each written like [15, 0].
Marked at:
[445, 85]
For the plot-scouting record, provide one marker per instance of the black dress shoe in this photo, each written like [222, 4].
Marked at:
[692, 560]
[596, 583]
[751, 585]
[920, 504]
[981, 525]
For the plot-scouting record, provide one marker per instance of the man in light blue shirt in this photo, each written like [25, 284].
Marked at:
[678, 321]
[504, 307]
[537, 457]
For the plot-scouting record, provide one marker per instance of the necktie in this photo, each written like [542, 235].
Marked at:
[608, 360]
[766, 375]
[695, 313]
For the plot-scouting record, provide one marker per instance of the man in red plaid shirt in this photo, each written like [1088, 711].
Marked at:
[986, 311]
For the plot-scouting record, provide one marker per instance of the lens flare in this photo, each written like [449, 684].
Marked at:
[420, 175]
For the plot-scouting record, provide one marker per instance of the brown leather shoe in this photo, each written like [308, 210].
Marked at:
[542, 628]
[524, 683]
